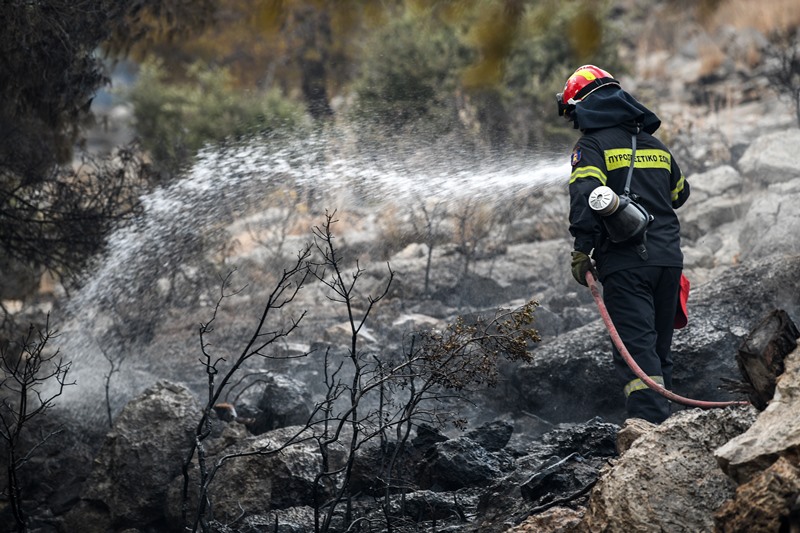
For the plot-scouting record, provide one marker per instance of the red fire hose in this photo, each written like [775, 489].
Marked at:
[617, 340]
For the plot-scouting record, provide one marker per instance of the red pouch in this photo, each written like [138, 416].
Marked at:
[681, 314]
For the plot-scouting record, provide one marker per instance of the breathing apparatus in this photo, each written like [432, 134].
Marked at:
[625, 220]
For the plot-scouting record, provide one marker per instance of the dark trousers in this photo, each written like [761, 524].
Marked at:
[642, 303]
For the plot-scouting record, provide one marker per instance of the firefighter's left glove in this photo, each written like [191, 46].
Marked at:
[581, 264]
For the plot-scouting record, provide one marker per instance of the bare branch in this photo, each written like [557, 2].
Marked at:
[283, 293]
[27, 372]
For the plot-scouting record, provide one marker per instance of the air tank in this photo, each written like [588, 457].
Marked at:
[624, 219]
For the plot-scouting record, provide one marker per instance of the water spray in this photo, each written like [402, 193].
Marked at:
[228, 183]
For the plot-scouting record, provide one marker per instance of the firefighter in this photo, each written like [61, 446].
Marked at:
[641, 273]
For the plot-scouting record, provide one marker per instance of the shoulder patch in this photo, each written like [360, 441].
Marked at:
[576, 156]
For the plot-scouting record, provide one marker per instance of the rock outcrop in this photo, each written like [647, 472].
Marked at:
[776, 432]
[668, 480]
[138, 460]
[765, 462]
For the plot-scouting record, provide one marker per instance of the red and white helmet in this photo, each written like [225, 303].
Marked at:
[583, 82]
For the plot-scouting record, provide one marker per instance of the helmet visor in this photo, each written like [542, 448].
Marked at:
[564, 110]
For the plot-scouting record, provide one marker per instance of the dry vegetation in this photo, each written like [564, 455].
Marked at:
[764, 15]
[667, 27]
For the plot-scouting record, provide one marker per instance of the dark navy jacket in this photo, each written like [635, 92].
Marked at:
[608, 118]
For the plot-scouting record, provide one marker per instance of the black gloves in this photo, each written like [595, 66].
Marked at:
[581, 264]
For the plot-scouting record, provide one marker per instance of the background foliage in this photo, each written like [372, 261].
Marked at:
[484, 71]
[175, 120]
[479, 73]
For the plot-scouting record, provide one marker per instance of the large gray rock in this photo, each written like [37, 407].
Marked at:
[717, 198]
[712, 213]
[719, 181]
[569, 380]
[722, 313]
[260, 475]
[772, 222]
[561, 465]
[140, 456]
[284, 401]
[668, 481]
[744, 213]
[461, 462]
[772, 158]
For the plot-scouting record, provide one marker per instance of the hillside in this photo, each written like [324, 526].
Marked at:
[427, 241]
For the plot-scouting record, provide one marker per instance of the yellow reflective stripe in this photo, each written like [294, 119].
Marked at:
[647, 158]
[678, 188]
[617, 158]
[638, 384]
[588, 172]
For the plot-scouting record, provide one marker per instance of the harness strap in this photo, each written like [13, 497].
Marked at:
[633, 159]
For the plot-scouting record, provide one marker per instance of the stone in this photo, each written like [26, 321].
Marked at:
[700, 218]
[668, 480]
[258, 475]
[772, 158]
[284, 402]
[493, 436]
[775, 433]
[553, 520]
[461, 462]
[140, 456]
[771, 224]
[760, 357]
[631, 430]
[723, 180]
[764, 503]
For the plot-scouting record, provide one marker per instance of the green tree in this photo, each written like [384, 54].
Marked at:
[481, 69]
[52, 213]
[554, 38]
[176, 119]
[307, 48]
[409, 76]
[487, 70]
